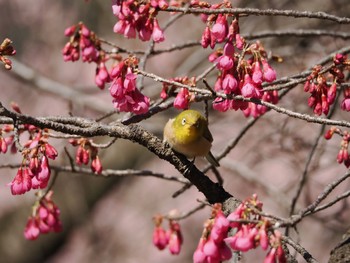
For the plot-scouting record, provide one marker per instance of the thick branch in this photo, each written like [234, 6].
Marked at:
[135, 133]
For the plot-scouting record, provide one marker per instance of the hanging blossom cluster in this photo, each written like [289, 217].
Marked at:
[45, 218]
[85, 44]
[243, 67]
[343, 154]
[6, 49]
[183, 97]
[86, 151]
[172, 238]
[34, 171]
[138, 16]
[126, 96]
[250, 231]
[322, 84]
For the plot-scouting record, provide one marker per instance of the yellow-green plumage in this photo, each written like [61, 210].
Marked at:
[188, 134]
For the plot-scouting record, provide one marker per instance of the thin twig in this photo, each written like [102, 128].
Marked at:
[302, 251]
[260, 12]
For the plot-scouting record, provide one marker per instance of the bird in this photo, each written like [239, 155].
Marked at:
[188, 134]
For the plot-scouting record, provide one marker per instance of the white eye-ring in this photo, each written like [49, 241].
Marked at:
[183, 121]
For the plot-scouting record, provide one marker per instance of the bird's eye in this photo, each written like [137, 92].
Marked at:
[183, 122]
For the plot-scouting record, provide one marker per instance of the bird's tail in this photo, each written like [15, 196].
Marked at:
[210, 157]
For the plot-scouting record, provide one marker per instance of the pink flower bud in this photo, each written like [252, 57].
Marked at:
[229, 49]
[182, 99]
[331, 93]
[329, 133]
[96, 165]
[3, 145]
[281, 255]
[157, 35]
[206, 36]
[239, 41]
[257, 76]
[175, 243]
[160, 239]
[85, 156]
[50, 151]
[325, 105]
[85, 31]
[44, 172]
[340, 155]
[69, 31]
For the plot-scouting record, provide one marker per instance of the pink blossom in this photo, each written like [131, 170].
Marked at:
[221, 104]
[270, 257]
[199, 256]
[157, 35]
[263, 237]
[145, 33]
[102, 75]
[218, 84]
[22, 182]
[117, 70]
[37, 184]
[44, 171]
[133, 101]
[211, 249]
[345, 104]
[129, 81]
[225, 62]
[119, 27]
[89, 54]
[281, 255]
[243, 240]
[182, 99]
[31, 231]
[268, 72]
[229, 84]
[219, 29]
[129, 30]
[117, 89]
[249, 89]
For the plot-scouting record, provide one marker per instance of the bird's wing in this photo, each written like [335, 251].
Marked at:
[207, 134]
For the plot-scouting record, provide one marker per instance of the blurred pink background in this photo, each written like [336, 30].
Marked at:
[110, 220]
